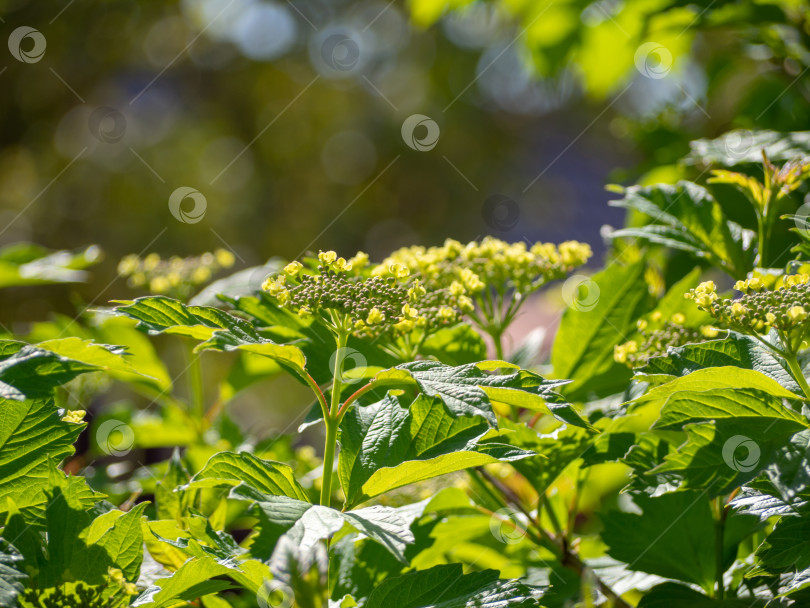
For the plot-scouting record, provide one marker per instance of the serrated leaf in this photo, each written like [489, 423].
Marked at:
[32, 436]
[787, 547]
[736, 350]
[670, 527]
[720, 457]
[35, 370]
[123, 543]
[231, 469]
[583, 346]
[742, 146]
[688, 217]
[673, 595]
[385, 446]
[721, 393]
[447, 586]
[11, 575]
[195, 578]
[467, 390]
[306, 525]
[216, 328]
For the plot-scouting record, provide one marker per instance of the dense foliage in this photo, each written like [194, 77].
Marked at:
[657, 458]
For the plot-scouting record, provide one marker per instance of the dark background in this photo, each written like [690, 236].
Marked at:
[287, 117]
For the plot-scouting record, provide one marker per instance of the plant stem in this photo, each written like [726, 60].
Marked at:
[328, 461]
[195, 383]
[797, 372]
[337, 375]
[719, 536]
[762, 240]
[332, 419]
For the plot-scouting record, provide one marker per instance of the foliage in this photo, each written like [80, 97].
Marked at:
[659, 459]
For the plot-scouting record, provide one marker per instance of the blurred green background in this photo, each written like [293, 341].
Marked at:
[288, 118]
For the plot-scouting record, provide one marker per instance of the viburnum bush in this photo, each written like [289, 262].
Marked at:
[657, 457]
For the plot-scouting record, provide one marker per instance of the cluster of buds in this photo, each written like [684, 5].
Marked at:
[760, 309]
[392, 302]
[658, 336]
[491, 262]
[176, 277]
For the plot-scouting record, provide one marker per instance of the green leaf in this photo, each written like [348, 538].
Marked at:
[554, 452]
[673, 595]
[216, 328]
[671, 527]
[787, 547]
[159, 314]
[230, 469]
[447, 586]
[721, 393]
[674, 537]
[385, 446]
[720, 457]
[195, 578]
[123, 543]
[170, 500]
[27, 264]
[35, 370]
[306, 525]
[32, 437]
[688, 217]
[11, 575]
[736, 350]
[583, 347]
[742, 146]
[467, 390]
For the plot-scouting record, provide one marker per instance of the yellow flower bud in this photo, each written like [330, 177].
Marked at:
[74, 416]
[375, 316]
[445, 312]
[797, 313]
[359, 260]
[293, 268]
[737, 309]
[678, 319]
[327, 257]
[465, 303]
[456, 289]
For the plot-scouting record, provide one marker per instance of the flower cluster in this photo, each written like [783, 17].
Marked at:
[658, 336]
[176, 276]
[760, 309]
[389, 302]
[491, 262]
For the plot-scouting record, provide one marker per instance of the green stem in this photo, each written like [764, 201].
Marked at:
[328, 461]
[195, 383]
[332, 419]
[798, 375]
[762, 240]
[337, 384]
[719, 552]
